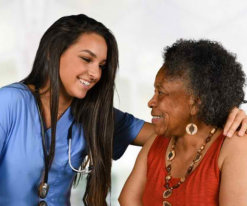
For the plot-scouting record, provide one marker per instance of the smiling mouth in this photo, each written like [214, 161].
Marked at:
[85, 83]
[157, 116]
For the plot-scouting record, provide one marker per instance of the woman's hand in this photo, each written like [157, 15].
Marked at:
[237, 118]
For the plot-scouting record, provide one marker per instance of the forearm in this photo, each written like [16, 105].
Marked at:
[123, 201]
[131, 194]
[145, 134]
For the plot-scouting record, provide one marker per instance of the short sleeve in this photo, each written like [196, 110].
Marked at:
[9, 96]
[126, 129]
[2, 138]
[4, 117]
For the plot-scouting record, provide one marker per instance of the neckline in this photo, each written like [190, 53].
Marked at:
[217, 139]
[61, 122]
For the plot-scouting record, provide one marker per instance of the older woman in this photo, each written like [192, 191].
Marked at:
[191, 162]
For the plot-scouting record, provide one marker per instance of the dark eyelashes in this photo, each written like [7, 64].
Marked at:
[159, 92]
[89, 60]
[85, 59]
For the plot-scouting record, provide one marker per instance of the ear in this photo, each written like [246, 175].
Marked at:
[194, 105]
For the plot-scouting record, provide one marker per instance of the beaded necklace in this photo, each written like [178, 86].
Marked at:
[171, 155]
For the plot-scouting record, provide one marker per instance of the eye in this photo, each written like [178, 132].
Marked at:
[160, 92]
[157, 91]
[86, 59]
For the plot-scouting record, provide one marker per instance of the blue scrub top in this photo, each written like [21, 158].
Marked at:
[21, 152]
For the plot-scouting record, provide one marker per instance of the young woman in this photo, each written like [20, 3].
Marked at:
[61, 116]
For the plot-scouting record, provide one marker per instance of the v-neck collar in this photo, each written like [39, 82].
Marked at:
[63, 122]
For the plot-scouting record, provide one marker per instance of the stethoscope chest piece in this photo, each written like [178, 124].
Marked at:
[42, 203]
[43, 190]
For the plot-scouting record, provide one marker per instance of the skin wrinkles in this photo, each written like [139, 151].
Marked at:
[175, 103]
[171, 101]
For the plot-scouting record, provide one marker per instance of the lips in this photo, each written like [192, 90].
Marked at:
[156, 118]
[84, 82]
[156, 115]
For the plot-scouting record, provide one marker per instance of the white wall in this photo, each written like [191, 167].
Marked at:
[142, 29]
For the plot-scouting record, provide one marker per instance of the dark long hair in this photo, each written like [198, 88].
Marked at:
[94, 112]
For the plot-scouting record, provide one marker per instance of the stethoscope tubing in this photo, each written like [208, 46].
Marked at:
[83, 171]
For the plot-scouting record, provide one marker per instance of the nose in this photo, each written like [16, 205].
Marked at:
[152, 102]
[94, 72]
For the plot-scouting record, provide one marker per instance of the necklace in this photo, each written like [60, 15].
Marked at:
[171, 155]
[59, 114]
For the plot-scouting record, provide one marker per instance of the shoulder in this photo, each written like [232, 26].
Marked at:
[233, 149]
[150, 142]
[234, 143]
[11, 99]
[14, 98]
[14, 89]
[233, 181]
[14, 92]
[154, 140]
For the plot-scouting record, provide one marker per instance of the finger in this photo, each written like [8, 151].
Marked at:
[235, 124]
[230, 120]
[243, 128]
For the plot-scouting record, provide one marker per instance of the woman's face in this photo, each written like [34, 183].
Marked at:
[81, 65]
[170, 106]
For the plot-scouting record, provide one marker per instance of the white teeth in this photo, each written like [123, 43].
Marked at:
[84, 82]
[156, 117]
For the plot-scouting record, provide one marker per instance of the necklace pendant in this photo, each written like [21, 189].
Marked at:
[168, 178]
[198, 157]
[43, 190]
[213, 131]
[171, 155]
[167, 193]
[165, 203]
[168, 168]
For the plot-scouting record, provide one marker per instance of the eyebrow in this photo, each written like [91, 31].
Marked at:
[89, 52]
[160, 86]
[157, 84]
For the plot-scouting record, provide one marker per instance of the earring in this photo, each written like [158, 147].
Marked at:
[191, 128]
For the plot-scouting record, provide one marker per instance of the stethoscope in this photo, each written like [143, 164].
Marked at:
[44, 186]
[83, 171]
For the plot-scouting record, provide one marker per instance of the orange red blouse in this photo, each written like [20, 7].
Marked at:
[201, 187]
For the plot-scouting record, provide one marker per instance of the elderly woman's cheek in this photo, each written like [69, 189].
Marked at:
[162, 127]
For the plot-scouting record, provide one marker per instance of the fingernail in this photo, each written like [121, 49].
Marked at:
[241, 133]
[229, 134]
